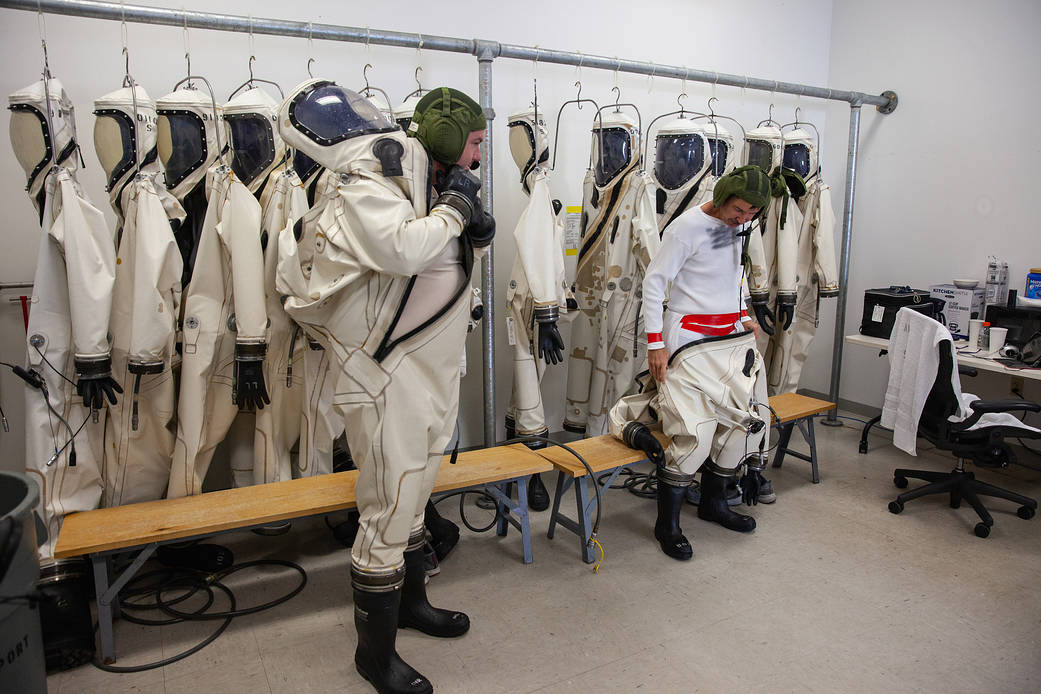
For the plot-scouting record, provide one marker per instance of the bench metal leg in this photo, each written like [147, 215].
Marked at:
[806, 429]
[513, 513]
[563, 484]
[782, 443]
[108, 595]
[585, 525]
[585, 501]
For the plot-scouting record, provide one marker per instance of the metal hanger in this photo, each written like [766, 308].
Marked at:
[618, 109]
[216, 118]
[128, 81]
[418, 91]
[796, 123]
[368, 89]
[578, 100]
[680, 113]
[769, 120]
[252, 79]
[712, 117]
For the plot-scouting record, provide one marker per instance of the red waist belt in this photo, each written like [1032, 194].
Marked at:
[712, 324]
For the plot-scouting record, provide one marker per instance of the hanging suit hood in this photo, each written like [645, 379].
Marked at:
[188, 138]
[256, 147]
[529, 144]
[682, 160]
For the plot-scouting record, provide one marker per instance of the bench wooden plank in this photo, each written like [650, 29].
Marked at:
[170, 519]
[601, 452]
[791, 406]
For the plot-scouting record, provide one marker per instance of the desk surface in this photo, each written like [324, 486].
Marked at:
[973, 360]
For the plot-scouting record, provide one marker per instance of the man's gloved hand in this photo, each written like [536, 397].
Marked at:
[249, 390]
[785, 311]
[764, 315]
[639, 436]
[551, 344]
[750, 485]
[481, 229]
[459, 191]
[95, 383]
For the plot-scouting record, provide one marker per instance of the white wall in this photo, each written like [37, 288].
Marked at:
[951, 176]
[777, 40]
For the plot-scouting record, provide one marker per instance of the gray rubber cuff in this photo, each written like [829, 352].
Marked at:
[754, 462]
[710, 466]
[786, 298]
[457, 202]
[145, 367]
[828, 293]
[250, 351]
[674, 478]
[547, 314]
[384, 581]
[92, 369]
[416, 540]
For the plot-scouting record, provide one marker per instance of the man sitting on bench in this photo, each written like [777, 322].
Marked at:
[702, 355]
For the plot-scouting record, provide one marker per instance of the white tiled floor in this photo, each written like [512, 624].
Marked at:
[831, 594]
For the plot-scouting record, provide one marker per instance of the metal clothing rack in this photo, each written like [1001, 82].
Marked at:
[486, 52]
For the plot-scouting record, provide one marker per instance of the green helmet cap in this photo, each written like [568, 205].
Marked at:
[750, 183]
[444, 118]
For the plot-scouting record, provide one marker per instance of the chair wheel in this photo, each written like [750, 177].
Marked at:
[981, 530]
[896, 506]
[1025, 512]
[863, 447]
[900, 482]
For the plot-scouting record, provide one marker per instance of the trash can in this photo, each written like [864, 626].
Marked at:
[22, 666]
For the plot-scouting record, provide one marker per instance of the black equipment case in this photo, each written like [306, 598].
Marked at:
[881, 306]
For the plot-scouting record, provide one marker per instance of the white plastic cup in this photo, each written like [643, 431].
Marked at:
[997, 339]
[975, 326]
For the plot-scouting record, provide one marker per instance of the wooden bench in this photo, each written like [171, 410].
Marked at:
[794, 410]
[145, 526]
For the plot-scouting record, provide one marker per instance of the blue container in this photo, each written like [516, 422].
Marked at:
[1034, 283]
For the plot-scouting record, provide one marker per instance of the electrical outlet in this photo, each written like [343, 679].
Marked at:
[1016, 385]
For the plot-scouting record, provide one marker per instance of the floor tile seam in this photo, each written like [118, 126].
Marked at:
[598, 667]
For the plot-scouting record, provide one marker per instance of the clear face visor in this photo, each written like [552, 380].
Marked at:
[181, 143]
[328, 114]
[252, 144]
[304, 165]
[28, 137]
[761, 154]
[720, 151]
[115, 143]
[616, 147]
[797, 158]
[677, 159]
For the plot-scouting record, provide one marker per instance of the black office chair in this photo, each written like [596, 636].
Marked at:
[984, 446]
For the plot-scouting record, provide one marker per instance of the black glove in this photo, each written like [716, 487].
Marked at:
[95, 382]
[764, 316]
[551, 344]
[750, 485]
[459, 191]
[572, 303]
[785, 311]
[639, 436]
[481, 229]
[249, 391]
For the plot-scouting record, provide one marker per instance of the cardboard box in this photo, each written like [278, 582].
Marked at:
[962, 305]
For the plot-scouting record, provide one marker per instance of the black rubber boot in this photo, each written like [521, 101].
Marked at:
[714, 508]
[444, 533]
[417, 612]
[376, 618]
[538, 495]
[667, 527]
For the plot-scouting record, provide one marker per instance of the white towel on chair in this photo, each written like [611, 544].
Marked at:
[913, 361]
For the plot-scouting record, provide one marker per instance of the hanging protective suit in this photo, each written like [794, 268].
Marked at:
[380, 277]
[726, 152]
[708, 403]
[68, 325]
[682, 163]
[225, 321]
[773, 241]
[260, 160]
[817, 277]
[537, 292]
[619, 238]
[146, 299]
[188, 144]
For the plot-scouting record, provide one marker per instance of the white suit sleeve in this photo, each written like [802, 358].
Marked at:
[788, 251]
[537, 246]
[675, 248]
[824, 245]
[382, 230]
[90, 265]
[240, 231]
[756, 270]
[646, 237]
[157, 274]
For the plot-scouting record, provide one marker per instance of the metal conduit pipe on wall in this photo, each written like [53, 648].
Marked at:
[486, 52]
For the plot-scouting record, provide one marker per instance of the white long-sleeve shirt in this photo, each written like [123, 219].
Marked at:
[701, 257]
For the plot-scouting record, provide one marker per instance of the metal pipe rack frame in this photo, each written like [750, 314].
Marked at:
[486, 52]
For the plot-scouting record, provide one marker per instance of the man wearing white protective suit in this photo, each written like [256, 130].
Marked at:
[773, 244]
[68, 325]
[260, 160]
[225, 317]
[619, 238]
[537, 292]
[710, 398]
[816, 274]
[682, 162]
[380, 277]
[146, 300]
